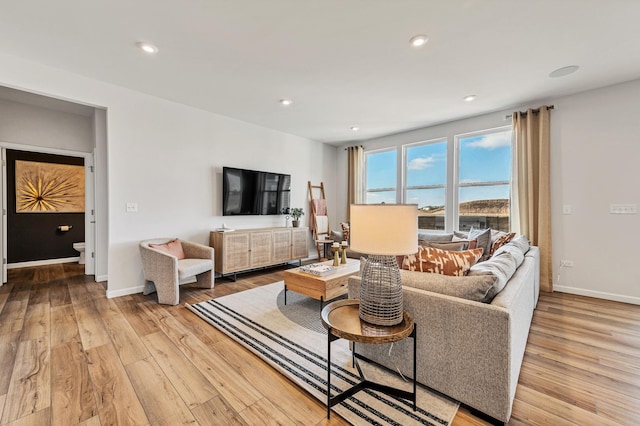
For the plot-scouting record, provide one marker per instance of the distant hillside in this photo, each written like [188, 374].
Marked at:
[496, 207]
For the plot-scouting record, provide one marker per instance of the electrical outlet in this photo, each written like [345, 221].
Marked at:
[132, 207]
[566, 209]
[566, 263]
[623, 209]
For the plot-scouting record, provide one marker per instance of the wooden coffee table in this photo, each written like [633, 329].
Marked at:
[321, 288]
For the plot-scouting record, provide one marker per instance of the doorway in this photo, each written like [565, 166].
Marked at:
[40, 237]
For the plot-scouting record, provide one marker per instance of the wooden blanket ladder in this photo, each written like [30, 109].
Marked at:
[319, 220]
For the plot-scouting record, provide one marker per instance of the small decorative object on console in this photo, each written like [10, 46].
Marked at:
[296, 213]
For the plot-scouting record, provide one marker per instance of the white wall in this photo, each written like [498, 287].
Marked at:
[168, 158]
[595, 143]
[43, 127]
[595, 151]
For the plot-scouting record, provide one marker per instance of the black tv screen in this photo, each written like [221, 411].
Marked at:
[251, 192]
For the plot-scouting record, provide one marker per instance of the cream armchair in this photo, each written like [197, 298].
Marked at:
[164, 272]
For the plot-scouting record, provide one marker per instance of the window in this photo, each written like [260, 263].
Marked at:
[457, 183]
[484, 180]
[425, 167]
[381, 177]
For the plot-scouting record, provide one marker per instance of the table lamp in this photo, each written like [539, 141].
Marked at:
[383, 231]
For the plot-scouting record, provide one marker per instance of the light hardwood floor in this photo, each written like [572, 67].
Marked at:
[69, 355]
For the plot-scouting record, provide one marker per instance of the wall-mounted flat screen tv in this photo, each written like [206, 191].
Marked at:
[251, 192]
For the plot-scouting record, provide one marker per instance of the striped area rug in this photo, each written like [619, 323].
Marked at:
[291, 339]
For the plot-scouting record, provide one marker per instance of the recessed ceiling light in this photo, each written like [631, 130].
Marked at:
[470, 98]
[147, 47]
[355, 128]
[561, 72]
[286, 102]
[419, 40]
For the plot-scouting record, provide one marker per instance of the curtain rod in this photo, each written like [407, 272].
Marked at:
[353, 146]
[534, 110]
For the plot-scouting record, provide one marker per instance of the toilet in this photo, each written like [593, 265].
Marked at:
[79, 247]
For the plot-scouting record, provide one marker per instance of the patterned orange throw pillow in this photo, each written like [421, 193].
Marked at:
[429, 259]
[502, 240]
[345, 230]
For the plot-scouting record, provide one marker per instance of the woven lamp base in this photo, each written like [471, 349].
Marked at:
[381, 291]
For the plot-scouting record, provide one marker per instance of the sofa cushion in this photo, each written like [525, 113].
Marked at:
[473, 288]
[429, 259]
[515, 252]
[518, 247]
[191, 267]
[425, 237]
[502, 266]
[173, 247]
[471, 244]
[521, 242]
[484, 240]
[449, 245]
[461, 234]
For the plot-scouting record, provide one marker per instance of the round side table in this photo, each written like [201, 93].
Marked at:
[342, 321]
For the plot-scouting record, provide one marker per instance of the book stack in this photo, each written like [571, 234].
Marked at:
[318, 269]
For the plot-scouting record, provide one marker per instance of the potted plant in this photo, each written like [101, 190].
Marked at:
[296, 212]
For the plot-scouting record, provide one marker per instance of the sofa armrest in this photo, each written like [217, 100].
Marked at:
[463, 348]
[196, 251]
[158, 265]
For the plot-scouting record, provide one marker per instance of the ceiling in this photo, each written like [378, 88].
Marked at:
[343, 63]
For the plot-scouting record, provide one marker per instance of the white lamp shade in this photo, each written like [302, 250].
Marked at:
[384, 229]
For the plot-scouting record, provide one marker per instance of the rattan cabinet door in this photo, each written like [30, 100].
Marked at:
[235, 252]
[299, 245]
[261, 252]
[281, 245]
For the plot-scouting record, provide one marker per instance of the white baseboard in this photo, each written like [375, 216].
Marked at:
[139, 288]
[124, 291]
[43, 262]
[101, 278]
[598, 294]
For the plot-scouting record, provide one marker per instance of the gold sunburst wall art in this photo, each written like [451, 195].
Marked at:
[49, 187]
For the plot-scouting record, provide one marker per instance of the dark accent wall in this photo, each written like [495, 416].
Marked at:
[35, 236]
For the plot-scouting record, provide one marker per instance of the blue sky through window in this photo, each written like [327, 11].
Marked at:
[486, 158]
[483, 158]
[427, 164]
[381, 170]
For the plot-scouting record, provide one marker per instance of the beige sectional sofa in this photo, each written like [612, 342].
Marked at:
[467, 349]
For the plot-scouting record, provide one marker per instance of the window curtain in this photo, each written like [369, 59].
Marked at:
[355, 177]
[532, 188]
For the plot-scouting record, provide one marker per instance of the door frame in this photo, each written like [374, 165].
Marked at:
[89, 215]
